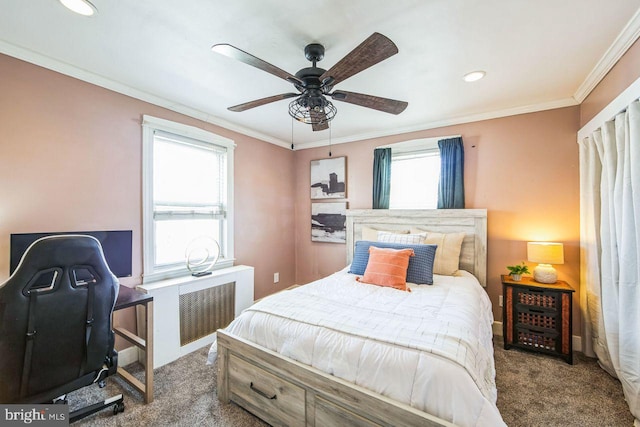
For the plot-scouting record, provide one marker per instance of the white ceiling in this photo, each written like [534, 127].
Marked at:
[537, 54]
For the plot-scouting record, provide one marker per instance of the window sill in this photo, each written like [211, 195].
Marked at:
[183, 273]
[216, 275]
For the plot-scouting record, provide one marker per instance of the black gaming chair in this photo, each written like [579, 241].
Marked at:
[55, 323]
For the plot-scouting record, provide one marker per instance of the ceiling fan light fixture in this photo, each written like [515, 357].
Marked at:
[81, 7]
[301, 110]
[474, 76]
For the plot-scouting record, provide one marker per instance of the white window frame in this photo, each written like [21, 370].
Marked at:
[149, 125]
[415, 146]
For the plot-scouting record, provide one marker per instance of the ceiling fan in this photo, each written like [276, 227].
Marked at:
[315, 84]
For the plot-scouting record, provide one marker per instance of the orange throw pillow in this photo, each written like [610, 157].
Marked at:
[387, 267]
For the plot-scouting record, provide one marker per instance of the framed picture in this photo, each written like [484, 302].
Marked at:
[328, 178]
[328, 222]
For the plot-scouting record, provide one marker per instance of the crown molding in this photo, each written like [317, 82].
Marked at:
[533, 108]
[98, 80]
[621, 44]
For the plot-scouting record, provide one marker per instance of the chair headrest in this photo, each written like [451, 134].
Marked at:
[64, 252]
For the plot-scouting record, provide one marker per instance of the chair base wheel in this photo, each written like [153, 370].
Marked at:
[118, 407]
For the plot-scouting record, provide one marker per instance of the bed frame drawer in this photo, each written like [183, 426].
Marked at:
[268, 396]
[330, 414]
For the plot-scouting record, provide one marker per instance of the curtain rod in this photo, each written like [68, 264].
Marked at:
[431, 139]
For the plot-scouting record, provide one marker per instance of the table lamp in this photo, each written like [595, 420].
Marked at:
[545, 253]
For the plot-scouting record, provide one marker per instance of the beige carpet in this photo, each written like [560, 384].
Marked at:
[538, 390]
[533, 390]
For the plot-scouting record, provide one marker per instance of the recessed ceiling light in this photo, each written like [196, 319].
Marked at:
[82, 7]
[474, 76]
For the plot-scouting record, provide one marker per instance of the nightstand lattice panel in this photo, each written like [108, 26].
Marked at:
[537, 299]
[537, 340]
[537, 319]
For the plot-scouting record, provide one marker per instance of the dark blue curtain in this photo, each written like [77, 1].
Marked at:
[381, 177]
[451, 187]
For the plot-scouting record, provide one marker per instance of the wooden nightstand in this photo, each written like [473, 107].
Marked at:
[537, 316]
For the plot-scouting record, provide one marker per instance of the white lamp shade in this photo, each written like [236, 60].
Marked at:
[545, 252]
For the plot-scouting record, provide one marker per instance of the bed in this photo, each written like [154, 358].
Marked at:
[340, 352]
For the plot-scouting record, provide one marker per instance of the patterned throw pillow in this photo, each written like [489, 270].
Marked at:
[371, 234]
[412, 239]
[420, 269]
[387, 267]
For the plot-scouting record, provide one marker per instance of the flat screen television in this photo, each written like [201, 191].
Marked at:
[116, 246]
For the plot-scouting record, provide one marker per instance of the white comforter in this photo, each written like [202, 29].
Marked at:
[430, 348]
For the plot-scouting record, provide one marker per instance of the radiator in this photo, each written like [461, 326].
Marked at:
[187, 311]
[205, 311]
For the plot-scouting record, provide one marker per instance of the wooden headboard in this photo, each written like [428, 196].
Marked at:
[473, 256]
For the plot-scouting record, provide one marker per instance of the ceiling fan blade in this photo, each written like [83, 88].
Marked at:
[262, 101]
[377, 103]
[320, 121]
[242, 56]
[374, 49]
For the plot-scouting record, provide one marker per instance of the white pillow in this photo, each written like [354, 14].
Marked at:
[410, 239]
[371, 234]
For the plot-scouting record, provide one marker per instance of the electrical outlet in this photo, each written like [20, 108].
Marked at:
[276, 277]
[500, 300]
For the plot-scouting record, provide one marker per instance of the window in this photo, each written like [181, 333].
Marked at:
[188, 188]
[415, 173]
[414, 180]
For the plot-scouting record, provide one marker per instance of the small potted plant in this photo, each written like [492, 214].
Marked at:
[516, 271]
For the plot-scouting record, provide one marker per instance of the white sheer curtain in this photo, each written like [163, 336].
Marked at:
[610, 248]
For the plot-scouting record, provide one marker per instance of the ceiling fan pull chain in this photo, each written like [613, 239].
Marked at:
[329, 139]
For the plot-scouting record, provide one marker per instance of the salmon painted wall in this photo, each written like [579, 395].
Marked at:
[523, 169]
[71, 159]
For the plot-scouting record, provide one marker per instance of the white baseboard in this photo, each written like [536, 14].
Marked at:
[577, 343]
[497, 328]
[576, 340]
[128, 356]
